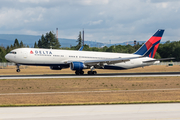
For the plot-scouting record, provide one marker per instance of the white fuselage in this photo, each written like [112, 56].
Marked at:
[54, 57]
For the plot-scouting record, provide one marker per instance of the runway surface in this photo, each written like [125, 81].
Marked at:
[154, 74]
[94, 112]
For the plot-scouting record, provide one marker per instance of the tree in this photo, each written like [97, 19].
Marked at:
[157, 56]
[49, 41]
[8, 49]
[110, 49]
[79, 40]
[16, 43]
[104, 48]
[21, 44]
[39, 43]
[2, 54]
[35, 45]
[52, 41]
[86, 47]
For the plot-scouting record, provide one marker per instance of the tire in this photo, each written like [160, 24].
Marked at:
[90, 72]
[18, 70]
[94, 72]
[79, 72]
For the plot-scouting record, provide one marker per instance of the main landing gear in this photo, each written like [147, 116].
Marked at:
[80, 72]
[17, 70]
[92, 72]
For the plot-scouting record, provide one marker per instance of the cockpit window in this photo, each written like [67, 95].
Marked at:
[12, 52]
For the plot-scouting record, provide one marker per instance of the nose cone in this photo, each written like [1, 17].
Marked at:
[7, 56]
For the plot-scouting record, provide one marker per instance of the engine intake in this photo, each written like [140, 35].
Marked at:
[77, 66]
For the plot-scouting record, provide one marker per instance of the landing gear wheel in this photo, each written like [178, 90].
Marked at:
[18, 70]
[79, 72]
[92, 72]
[82, 72]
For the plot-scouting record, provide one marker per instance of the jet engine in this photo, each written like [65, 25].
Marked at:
[77, 66]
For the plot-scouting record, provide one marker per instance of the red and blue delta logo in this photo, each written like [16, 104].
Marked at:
[31, 52]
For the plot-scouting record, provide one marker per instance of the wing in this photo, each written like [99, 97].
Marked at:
[104, 61]
[107, 61]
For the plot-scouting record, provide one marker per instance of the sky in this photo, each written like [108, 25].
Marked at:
[102, 20]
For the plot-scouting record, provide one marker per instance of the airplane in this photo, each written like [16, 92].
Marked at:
[79, 60]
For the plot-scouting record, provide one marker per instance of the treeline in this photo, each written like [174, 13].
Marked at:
[48, 41]
[166, 50]
[170, 49]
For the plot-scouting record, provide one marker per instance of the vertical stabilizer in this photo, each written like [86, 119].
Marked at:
[150, 47]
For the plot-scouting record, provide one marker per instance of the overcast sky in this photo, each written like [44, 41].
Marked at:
[102, 20]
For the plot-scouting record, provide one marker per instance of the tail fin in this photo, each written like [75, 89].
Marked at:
[150, 47]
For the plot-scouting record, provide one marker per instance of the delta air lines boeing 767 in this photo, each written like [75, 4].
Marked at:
[79, 60]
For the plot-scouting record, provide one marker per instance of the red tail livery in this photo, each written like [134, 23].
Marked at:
[150, 47]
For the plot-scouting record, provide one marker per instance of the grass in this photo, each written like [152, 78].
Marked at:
[89, 84]
[92, 98]
[81, 84]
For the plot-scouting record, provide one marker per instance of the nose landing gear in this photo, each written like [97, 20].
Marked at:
[17, 70]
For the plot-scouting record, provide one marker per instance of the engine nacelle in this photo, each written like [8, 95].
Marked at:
[55, 67]
[77, 66]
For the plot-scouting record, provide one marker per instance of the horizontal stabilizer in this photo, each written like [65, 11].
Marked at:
[162, 59]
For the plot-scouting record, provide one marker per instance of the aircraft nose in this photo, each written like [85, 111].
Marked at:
[7, 56]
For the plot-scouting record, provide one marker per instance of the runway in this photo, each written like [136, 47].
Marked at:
[152, 74]
[94, 112]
